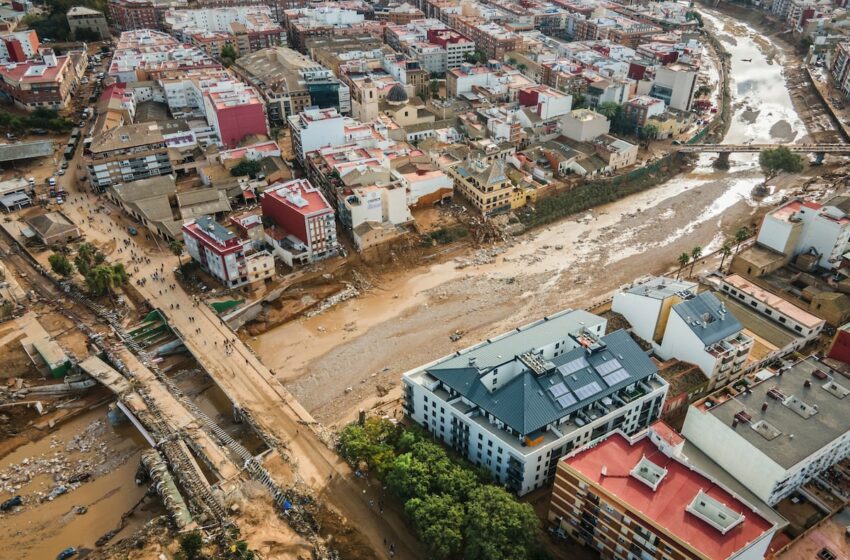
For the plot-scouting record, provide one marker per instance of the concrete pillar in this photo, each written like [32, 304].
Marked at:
[722, 161]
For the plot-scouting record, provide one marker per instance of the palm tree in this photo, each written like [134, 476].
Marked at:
[683, 259]
[740, 236]
[696, 253]
[725, 251]
[177, 248]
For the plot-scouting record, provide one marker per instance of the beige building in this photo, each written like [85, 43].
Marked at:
[485, 185]
[80, 17]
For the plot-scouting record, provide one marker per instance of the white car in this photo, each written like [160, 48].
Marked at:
[60, 172]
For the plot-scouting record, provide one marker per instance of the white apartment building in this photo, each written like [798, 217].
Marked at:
[683, 324]
[518, 402]
[314, 129]
[675, 85]
[778, 434]
[778, 310]
[797, 227]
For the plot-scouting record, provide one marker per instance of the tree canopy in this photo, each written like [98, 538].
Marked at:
[453, 507]
[246, 167]
[228, 54]
[779, 160]
[61, 265]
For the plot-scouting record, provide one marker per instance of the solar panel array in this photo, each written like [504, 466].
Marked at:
[573, 366]
[566, 400]
[588, 390]
[616, 377]
[607, 367]
[558, 390]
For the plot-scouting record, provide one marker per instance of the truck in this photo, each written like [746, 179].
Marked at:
[69, 152]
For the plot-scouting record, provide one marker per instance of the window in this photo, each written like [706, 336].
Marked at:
[480, 436]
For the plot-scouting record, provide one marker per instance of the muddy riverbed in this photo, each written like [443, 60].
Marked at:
[48, 521]
[355, 352]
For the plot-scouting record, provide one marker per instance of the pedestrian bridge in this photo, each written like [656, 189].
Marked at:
[755, 148]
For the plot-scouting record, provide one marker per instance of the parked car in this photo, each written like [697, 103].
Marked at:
[132, 231]
[64, 165]
[60, 172]
[69, 552]
[10, 503]
[52, 182]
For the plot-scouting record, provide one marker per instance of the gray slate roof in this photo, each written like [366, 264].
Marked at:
[25, 150]
[526, 403]
[708, 318]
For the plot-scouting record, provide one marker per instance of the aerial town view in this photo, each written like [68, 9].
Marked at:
[425, 279]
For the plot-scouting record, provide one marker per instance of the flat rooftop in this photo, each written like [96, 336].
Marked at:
[759, 325]
[801, 420]
[772, 300]
[830, 534]
[685, 503]
[659, 287]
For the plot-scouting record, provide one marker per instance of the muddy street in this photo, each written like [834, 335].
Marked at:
[354, 353]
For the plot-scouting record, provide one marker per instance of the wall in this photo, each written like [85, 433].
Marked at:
[680, 342]
[752, 468]
[641, 312]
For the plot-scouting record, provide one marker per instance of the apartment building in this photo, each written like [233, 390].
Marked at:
[234, 111]
[129, 15]
[305, 23]
[247, 28]
[485, 185]
[641, 108]
[518, 402]
[437, 47]
[82, 18]
[490, 38]
[316, 128]
[132, 152]
[840, 66]
[45, 82]
[224, 256]
[802, 323]
[289, 83]
[304, 229]
[807, 227]
[495, 80]
[675, 84]
[779, 433]
[18, 46]
[693, 327]
[639, 497]
[148, 55]
[615, 28]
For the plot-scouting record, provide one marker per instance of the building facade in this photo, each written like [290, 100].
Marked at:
[80, 17]
[638, 497]
[518, 402]
[778, 434]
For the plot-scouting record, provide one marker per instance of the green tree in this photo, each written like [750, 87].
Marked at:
[579, 101]
[497, 526]
[177, 248]
[408, 477]
[725, 252]
[649, 132]
[522, 67]
[61, 265]
[246, 167]
[438, 521]
[512, 61]
[683, 261]
[702, 91]
[696, 16]
[87, 35]
[740, 236]
[434, 88]
[609, 109]
[105, 278]
[191, 545]
[696, 253]
[88, 256]
[778, 160]
[228, 55]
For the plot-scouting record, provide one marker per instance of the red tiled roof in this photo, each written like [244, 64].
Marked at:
[667, 433]
[665, 507]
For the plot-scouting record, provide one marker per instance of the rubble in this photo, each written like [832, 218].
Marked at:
[347, 293]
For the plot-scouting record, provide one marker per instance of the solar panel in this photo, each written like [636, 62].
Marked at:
[607, 367]
[588, 390]
[558, 390]
[573, 366]
[566, 400]
[615, 377]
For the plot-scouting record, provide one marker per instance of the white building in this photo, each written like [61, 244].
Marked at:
[797, 227]
[381, 204]
[675, 85]
[517, 402]
[646, 305]
[682, 324]
[701, 331]
[778, 434]
[314, 129]
[802, 323]
[583, 125]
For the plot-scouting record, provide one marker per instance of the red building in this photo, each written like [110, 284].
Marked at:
[128, 15]
[19, 46]
[840, 349]
[235, 111]
[304, 228]
[639, 497]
